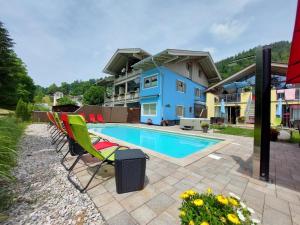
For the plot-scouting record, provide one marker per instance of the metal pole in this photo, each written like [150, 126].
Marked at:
[261, 151]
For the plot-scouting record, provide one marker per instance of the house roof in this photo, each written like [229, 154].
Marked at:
[120, 57]
[276, 68]
[175, 56]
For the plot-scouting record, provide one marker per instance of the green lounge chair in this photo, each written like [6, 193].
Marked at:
[81, 135]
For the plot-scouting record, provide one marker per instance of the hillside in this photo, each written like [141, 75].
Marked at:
[229, 66]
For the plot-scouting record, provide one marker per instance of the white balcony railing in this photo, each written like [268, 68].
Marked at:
[117, 98]
[228, 98]
[131, 74]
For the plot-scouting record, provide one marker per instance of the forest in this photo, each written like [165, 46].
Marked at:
[233, 64]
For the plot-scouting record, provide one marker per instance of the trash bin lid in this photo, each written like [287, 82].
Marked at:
[129, 154]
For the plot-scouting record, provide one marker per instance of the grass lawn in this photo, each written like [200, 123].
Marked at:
[295, 137]
[10, 132]
[234, 131]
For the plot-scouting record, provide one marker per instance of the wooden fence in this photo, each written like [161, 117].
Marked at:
[116, 114]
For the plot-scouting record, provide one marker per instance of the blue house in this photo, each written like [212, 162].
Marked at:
[173, 84]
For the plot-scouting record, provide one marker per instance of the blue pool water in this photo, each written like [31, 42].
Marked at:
[170, 144]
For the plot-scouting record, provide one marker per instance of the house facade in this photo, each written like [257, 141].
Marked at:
[125, 81]
[238, 94]
[171, 84]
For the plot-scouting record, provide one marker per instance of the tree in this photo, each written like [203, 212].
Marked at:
[23, 110]
[65, 101]
[14, 80]
[52, 89]
[94, 95]
[65, 88]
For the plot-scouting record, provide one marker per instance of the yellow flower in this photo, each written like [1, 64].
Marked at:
[182, 213]
[198, 202]
[222, 199]
[223, 219]
[233, 219]
[233, 201]
[204, 223]
[190, 192]
[184, 195]
[191, 222]
[209, 191]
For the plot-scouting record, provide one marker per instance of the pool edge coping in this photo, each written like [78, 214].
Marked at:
[178, 161]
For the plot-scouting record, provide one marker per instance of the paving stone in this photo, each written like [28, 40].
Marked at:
[143, 215]
[295, 211]
[184, 185]
[164, 219]
[103, 199]
[111, 209]
[161, 186]
[96, 191]
[122, 218]
[277, 204]
[170, 180]
[256, 203]
[274, 217]
[134, 201]
[160, 203]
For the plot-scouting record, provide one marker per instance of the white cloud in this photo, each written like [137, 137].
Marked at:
[228, 31]
[68, 40]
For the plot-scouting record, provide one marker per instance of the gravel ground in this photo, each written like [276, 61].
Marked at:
[44, 195]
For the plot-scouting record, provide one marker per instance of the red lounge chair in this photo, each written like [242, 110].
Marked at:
[92, 118]
[100, 118]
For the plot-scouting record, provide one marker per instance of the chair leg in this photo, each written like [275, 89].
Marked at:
[60, 148]
[77, 186]
[55, 134]
[63, 159]
[57, 138]
[92, 177]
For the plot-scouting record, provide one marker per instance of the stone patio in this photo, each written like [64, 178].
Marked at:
[277, 202]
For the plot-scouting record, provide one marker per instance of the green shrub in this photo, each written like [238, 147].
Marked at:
[23, 110]
[210, 209]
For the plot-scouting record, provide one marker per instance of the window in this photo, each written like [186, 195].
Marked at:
[180, 110]
[200, 73]
[180, 86]
[197, 92]
[189, 67]
[149, 109]
[150, 81]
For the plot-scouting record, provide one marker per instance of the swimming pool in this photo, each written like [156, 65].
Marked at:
[170, 144]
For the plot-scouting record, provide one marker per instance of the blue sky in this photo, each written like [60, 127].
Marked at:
[68, 40]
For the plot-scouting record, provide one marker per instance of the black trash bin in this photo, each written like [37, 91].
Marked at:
[130, 167]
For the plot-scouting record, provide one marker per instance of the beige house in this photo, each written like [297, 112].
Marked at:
[240, 102]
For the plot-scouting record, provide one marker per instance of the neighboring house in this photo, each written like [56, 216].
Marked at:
[77, 99]
[126, 81]
[57, 95]
[238, 94]
[166, 86]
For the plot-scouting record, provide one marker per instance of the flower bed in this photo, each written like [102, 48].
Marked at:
[210, 209]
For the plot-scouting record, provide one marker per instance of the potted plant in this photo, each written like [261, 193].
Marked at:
[274, 134]
[241, 119]
[208, 209]
[204, 127]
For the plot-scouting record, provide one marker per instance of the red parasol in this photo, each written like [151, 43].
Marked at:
[293, 72]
